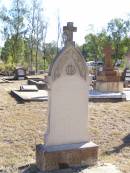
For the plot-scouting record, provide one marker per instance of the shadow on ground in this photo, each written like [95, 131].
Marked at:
[117, 149]
[34, 169]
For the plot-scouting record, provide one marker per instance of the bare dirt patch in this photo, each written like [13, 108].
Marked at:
[22, 127]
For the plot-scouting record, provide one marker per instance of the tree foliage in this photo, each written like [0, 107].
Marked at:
[25, 30]
[115, 34]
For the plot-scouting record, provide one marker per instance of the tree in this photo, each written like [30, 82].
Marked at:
[58, 30]
[5, 52]
[118, 31]
[31, 19]
[14, 28]
[51, 51]
[94, 43]
[37, 29]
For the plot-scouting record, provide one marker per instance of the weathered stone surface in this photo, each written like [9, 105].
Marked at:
[67, 140]
[64, 156]
[28, 88]
[40, 95]
[68, 33]
[68, 98]
[40, 83]
[108, 74]
[109, 86]
[109, 80]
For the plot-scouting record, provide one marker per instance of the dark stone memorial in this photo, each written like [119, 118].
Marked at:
[20, 74]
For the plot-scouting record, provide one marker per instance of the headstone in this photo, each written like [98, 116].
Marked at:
[127, 58]
[28, 88]
[127, 79]
[39, 82]
[67, 141]
[20, 73]
[32, 72]
[41, 71]
[109, 80]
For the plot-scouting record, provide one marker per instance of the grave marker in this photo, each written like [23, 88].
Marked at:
[20, 73]
[67, 141]
[109, 80]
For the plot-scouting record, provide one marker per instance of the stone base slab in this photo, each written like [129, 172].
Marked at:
[50, 158]
[109, 86]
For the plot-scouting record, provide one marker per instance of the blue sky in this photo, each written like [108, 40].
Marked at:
[82, 13]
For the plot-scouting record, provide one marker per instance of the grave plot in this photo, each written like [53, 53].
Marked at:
[39, 82]
[30, 93]
[40, 95]
[108, 85]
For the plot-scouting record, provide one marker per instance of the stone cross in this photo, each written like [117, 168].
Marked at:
[108, 60]
[68, 32]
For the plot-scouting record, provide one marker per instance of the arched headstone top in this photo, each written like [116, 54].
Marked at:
[69, 62]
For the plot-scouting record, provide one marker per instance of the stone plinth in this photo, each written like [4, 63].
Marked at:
[108, 80]
[68, 155]
[109, 86]
[108, 75]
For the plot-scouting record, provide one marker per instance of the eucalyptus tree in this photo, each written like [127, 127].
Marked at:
[94, 43]
[118, 30]
[37, 30]
[14, 28]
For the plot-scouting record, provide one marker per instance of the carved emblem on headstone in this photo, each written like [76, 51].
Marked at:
[70, 69]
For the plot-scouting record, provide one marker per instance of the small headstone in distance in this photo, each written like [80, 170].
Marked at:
[28, 88]
[41, 71]
[32, 72]
[20, 73]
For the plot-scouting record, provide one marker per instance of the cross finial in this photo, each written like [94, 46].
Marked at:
[68, 32]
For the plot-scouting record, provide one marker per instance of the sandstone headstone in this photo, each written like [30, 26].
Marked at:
[109, 80]
[67, 140]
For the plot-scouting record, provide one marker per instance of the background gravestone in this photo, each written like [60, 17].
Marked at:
[109, 80]
[67, 141]
[20, 73]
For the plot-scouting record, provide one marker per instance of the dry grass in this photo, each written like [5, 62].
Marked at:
[111, 122]
[22, 127]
